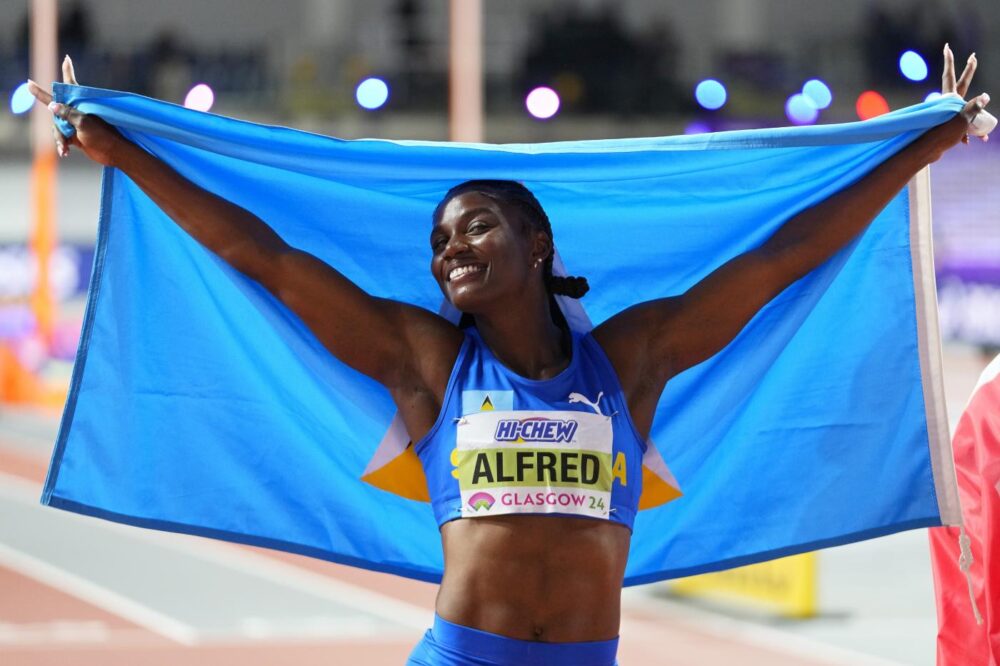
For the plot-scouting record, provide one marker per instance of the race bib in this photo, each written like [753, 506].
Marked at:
[535, 462]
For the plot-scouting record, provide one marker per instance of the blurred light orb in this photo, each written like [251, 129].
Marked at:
[16, 321]
[200, 98]
[31, 351]
[542, 102]
[372, 93]
[710, 94]
[697, 127]
[818, 92]
[933, 96]
[801, 110]
[870, 104]
[913, 66]
[21, 100]
[65, 339]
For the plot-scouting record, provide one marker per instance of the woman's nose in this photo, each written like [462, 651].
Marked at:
[456, 244]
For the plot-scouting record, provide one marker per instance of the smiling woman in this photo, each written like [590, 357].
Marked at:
[470, 220]
[531, 435]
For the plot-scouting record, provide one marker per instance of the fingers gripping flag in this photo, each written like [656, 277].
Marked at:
[200, 404]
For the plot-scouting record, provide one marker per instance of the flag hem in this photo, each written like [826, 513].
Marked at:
[80, 362]
[874, 129]
[929, 349]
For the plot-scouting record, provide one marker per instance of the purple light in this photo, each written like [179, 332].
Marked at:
[200, 98]
[542, 102]
[933, 96]
[801, 110]
[697, 127]
[16, 322]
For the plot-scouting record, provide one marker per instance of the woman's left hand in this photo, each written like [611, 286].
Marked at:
[948, 82]
[960, 86]
[947, 134]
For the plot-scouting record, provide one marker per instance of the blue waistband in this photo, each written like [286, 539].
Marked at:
[496, 649]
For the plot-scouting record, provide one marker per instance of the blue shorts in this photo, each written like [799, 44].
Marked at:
[449, 644]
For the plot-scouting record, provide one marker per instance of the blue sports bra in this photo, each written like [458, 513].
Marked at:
[506, 444]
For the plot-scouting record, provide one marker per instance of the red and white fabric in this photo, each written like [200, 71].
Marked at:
[966, 562]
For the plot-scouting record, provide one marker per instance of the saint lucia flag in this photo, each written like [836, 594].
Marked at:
[200, 404]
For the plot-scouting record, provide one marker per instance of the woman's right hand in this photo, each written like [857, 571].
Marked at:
[98, 140]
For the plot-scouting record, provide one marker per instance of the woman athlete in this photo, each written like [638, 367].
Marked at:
[526, 588]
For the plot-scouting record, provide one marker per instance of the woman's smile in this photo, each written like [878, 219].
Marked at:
[464, 272]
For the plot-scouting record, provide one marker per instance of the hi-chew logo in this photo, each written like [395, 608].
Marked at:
[535, 429]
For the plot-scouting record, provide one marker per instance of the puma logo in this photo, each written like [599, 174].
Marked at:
[579, 397]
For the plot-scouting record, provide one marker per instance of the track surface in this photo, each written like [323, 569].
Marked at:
[82, 591]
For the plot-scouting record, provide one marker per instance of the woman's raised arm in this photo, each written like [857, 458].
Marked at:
[394, 343]
[653, 341]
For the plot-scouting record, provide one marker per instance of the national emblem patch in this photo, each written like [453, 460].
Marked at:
[474, 402]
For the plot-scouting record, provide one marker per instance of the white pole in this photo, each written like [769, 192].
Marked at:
[44, 53]
[43, 68]
[466, 70]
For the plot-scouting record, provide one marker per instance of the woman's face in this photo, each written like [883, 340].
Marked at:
[480, 252]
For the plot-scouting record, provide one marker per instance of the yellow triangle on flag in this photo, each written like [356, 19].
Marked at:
[402, 475]
[487, 405]
[395, 466]
[658, 483]
[656, 490]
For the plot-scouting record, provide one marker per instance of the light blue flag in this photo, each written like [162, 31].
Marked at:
[200, 404]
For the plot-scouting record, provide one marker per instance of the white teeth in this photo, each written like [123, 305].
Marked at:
[463, 270]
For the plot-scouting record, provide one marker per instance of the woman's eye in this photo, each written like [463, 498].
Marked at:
[476, 227]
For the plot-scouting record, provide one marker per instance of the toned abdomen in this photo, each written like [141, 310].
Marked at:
[549, 578]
